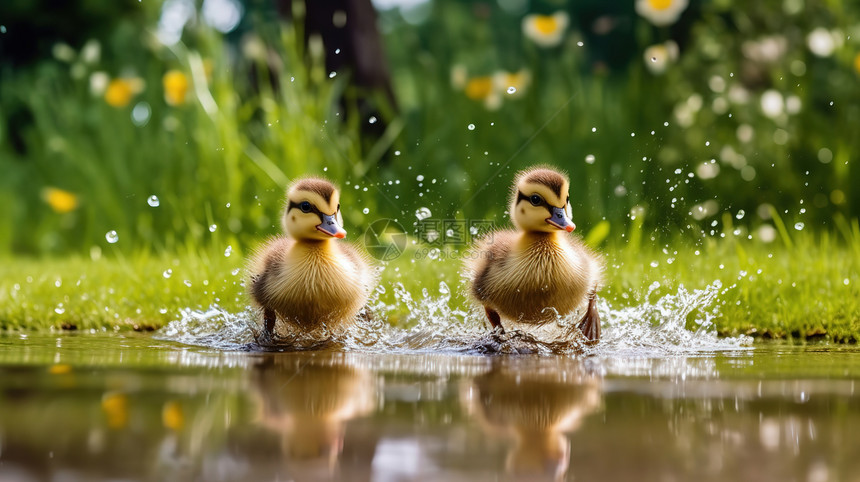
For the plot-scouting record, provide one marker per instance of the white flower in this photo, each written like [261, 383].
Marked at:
[767, 49]
[459, 76]
[658, 57]
[91, 51]
[708, 170]
[98, 83]
[661, 12]
[823, 42]
[512, 84]
[793, 104]
[64, 52]
[772, 104]
[546, 30]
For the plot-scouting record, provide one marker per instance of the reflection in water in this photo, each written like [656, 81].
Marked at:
[127, 408]
[533, 407]
[308, 405]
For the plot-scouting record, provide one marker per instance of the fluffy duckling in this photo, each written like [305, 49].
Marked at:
[307, 278]
[538, 271]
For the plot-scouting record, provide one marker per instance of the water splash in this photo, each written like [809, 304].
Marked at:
[432, 323]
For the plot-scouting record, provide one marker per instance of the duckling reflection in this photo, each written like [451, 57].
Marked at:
[533, 408]
[308, 403]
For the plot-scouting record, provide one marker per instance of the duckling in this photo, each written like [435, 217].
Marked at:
[307, 278]
[537, 272]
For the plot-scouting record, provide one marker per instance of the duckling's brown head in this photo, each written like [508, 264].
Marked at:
[541, 201]
[313, 210]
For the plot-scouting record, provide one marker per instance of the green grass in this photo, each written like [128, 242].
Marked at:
[805, 287]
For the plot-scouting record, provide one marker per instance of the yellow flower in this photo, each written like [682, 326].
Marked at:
[545, 30]
[661, 12]
[60, 200]
[857, 63]
[60, 369]
[172, 416]
[658, 57]
[483, 89]
[459, 76]
[175, 87]
[119, 92]
[479, 88]
[115, 407]
[513, 84]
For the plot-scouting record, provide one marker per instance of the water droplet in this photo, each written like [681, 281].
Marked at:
[471, 127]
[741, 213]
[140, 114]
[372, 119]
[235, 271]
[396, 153]
[420, 178]
[187, 283]
[111, 236]
[153, 201]
[167, 273]
[59, 309]
[654, 264]
[594, 129]
[449, 233]
[366, 211]
[799, 226]
[589, 159]
[512, 90]
[228, 251]
[2, 29]
[331, 75]
[433, 253]
[473, 230]
[423, 213]
[579, 44]
[292, 79]
[443, 288]
[336, 51]
[227, 205]
[846, 281]
[212, 228]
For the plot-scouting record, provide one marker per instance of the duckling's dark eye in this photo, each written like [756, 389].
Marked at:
[535, 200]
[305, 207]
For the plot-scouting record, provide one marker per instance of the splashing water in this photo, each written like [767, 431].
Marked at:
[432, 324]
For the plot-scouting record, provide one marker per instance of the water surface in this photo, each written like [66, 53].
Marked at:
[131, 407]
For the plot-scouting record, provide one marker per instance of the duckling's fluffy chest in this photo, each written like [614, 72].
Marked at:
[541, 276]
[313, 283]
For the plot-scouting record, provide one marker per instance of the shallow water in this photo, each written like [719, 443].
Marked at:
[108, 406]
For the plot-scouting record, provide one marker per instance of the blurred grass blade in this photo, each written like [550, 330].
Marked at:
[597, 234]
[780, 226]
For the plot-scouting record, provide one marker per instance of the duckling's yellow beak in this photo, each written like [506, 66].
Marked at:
[559, 219]
[331, 227]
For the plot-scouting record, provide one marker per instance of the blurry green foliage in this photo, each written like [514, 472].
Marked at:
[754, 112]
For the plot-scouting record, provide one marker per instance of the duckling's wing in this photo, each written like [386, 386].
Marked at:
[263, 265]
[491, 252]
